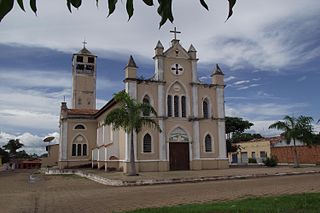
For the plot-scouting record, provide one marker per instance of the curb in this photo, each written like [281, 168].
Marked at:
[110, 182]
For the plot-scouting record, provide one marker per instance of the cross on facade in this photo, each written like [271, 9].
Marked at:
[177, 69]
[84, 43]
[175, 33]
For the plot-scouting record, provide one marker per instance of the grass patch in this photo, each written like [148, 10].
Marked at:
[297, 203]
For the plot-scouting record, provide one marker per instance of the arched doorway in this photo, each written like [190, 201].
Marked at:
[179, 150]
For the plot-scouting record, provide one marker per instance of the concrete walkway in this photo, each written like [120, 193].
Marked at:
[70, 193]
[151, 178]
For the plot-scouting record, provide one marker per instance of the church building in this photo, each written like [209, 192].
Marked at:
[191, 116]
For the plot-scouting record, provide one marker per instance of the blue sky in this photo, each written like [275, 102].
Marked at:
[269, 52]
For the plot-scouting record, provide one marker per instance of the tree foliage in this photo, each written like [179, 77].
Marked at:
[13, 145]
[236, 125]
[164, 7]
[240, 137]
[295, 129]
[5, 155]
[129, 116]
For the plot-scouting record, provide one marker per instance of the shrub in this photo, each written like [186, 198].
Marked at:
[271, 162]
[252, 160]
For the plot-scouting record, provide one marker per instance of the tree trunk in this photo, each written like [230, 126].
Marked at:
[295, 155]
[133, 171]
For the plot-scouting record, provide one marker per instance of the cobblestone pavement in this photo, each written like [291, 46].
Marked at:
[19, 193]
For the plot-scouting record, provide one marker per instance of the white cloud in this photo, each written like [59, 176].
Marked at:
[241, 82]
[262, 127]
[230, 78]
[251, 36]
[247, 87]
[32, 143]
[263, 111]
[21, 78]
[303, 78]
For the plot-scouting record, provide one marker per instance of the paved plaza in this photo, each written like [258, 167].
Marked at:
[70, 193]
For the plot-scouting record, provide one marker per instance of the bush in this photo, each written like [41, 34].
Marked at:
[271, 162]
[252, 160]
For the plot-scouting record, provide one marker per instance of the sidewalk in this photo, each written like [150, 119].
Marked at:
[150, 178]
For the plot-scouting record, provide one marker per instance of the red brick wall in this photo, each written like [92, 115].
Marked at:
[305, 154]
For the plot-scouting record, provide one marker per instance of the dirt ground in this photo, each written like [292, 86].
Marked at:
[74, 194]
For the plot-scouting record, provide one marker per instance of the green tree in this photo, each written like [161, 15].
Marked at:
[129, 116]
[5, 155]
[12, 146]
[164, 7]
[22, 155]
[295, 129]
[237, 137]
[236, 125]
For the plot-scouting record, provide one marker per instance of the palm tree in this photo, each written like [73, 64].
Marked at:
[295, 129]
[129, 116]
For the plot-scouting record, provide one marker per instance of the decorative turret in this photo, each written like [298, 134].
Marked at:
[63, 110]
[131, 69]
[192, 52]
[217, 76]
[158, 50]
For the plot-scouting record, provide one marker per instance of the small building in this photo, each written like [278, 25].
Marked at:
[28, 164]
[258, 149]
[53, 155]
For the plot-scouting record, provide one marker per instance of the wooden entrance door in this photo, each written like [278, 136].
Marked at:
[179, 156]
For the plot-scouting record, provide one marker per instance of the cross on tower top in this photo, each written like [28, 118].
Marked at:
[84, 43]
[175, 33]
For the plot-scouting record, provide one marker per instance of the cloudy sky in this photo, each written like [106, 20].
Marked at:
[269, 52]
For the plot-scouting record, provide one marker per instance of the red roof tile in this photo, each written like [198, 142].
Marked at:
[82, 111]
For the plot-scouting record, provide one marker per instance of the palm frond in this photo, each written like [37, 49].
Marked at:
[279, 125]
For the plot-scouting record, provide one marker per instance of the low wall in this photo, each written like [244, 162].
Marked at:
[306, 155]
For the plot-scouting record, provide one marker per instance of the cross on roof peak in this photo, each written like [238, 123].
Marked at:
[175, 33]
[84, 43]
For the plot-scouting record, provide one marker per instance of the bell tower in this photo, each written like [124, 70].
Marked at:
[84, 79]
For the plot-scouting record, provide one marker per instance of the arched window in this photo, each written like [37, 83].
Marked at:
[79, 146]
[84, 149]
[74, 149]
[147, 143]
[146, 100]
[205, 108]
[183, 106]
[79, 126]
[169, 106]
[176, 106]
[208, 143]
[79, 150]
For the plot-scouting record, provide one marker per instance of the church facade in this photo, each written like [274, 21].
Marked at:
[190, 114]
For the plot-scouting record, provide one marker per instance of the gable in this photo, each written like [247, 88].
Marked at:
[176, 51]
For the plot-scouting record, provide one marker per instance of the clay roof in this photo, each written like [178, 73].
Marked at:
[82, 111]
[28, 161]
[276, 139]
